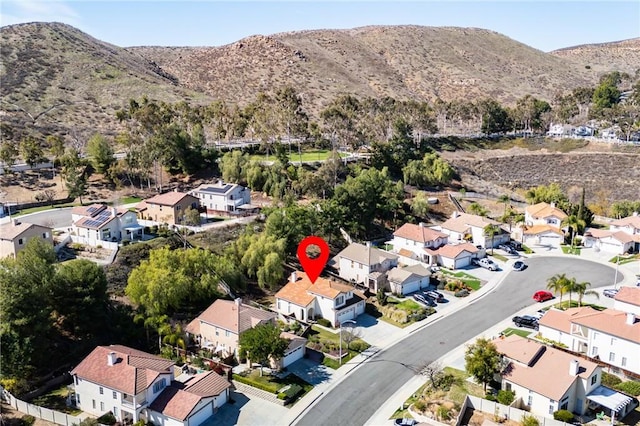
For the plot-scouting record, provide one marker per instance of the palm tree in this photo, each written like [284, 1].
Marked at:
[477, 209]
[491, 231]
[575, 224]
[581, 290]
[504, 199]
[558, 284]
[176, 338]
[571, 287]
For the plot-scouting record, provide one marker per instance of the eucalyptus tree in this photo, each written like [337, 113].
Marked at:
[292, 119]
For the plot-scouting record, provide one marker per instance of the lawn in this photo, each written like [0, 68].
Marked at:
[526, 249]
[406, 305]
[316, 155]
[569, 250]
[624, 259]
[41, 208]
[331, 340]
[271, 383]
[56, 400]
[509, 331]
[469, 280]
[574, 304]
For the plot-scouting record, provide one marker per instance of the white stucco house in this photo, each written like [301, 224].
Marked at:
[611, 336]
[223, 197]
[544, 214]
[364, 264]
[464, 227]
[628, 300]
[418, 242]
[623, 236]
[408, 279]
[98, 223]
[548, 379]
[15, 235]
[134, 385]
[325, 298]
[543, 235]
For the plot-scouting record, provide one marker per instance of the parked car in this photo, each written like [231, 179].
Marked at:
[519, 265]
[435, 295]
[508, 248]
[542, 296]
[610, 292]
[428, 300]
[434, 268]
[420, 298]
[487, 263]
[405, 422]
[525, 321]
[516, 245]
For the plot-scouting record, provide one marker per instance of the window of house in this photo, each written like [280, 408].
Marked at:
[101, 406]
[115, 412]
[351, 261]
[340, 300]
[20, 241]
[530, 400]
[594, 379]
[115, 395]
[217, 332]
[101, 390]
[159, 385]
[78, 398]
[227, 333]
[612, 357]
[75, 379]
[624, 361]
[278, 305]
[178, 208]
[45, 235]
[360, 265]
[93, 403]
[160, 208]
[507, 386]
[613, 341]
[595, 335]
[594, 351]
[552, 406]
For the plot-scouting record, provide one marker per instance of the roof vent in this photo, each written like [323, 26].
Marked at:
[111, 358]
[631, 318]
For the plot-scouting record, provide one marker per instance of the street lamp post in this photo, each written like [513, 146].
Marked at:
[345, 321]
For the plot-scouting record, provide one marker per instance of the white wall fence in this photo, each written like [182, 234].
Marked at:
[62, 243]
[40, 412]
[501, 411]
[91, 242]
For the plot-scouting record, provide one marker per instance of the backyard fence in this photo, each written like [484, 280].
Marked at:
[40, 412]
[501, 411]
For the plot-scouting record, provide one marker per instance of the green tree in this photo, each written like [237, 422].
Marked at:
[75, 174]
[504, 199]
[491, 231]
[495, 119]
[582, 289]
[431, 170]
[100, 153]
[263, 343]
[482, 361]
[233, 166]
[192, 217]
[576, 226]
[8, 154]
[254, 260]
[31, 151]
[606, 94]
[558, 284]
[477, 209]
[420, 205]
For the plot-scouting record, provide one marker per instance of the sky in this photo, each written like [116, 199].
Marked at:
[544, 25]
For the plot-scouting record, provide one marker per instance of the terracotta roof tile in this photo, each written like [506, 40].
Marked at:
[206, 384]
[463, 221]
[175, 403]
[633, 221]
[132, 373]
[402, 275]
[629, 295]
[612, 322]
[10, 232]
[541, 229]
[548, 371]
[451, 251]
[542, 210]
[561, 320]
[301, 292]
[418, 233]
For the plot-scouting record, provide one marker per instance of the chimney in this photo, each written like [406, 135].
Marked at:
[631, 318]
[16, 222]
[635, 214]
[294, 277]
[553, 204]
[574, 365]
[421, 224]
[114, 212]
[175, 189]
[368, 244]
[455, 214]
[111, 358]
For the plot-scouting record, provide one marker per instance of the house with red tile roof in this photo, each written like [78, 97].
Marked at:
[419, 240]
[544, 214]
[364, 264]
[464, 227]
[134, 385]
[543, 235]
[218, 327]
[628, 300]
[623, 236]
[408, 279]
[455, 256]
[325, 298]
[167, 208]
[610, 336]
[97, 223]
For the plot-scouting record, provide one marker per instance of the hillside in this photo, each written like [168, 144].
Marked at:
[63, 80]
[602, 57]
[400, 61]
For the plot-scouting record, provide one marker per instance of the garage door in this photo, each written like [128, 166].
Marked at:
[461, 262]
[293, 356]
[551, 240]
[411, 287]
[201, 416]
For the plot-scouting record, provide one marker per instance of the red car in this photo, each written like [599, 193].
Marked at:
[542, 296]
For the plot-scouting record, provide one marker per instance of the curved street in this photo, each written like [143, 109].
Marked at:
[366, 388]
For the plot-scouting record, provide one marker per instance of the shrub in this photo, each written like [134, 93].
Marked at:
[563, 416]
[440, 285]
[89, 421]
[324, 322]
[295, 326]
[462, 293]
[107, 419]
[27, 420]
[528, 420]
[419, 405]
[631, 388]
[443, 413]
[358, 346]
[610, 380]
[506, 397]
[490, 397]
[14, 386]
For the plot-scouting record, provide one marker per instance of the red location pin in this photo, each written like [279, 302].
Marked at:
[313, 267]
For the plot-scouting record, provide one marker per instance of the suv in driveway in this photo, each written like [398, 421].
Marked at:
[508, 248]
[486, 263]
[525, 321]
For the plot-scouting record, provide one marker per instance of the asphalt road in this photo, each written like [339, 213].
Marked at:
[355, 399]
[54, 218]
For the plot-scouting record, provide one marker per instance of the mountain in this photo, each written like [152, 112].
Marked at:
[623, 56]
[59, 79]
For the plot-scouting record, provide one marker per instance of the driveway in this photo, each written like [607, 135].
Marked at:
[353, 401]
[310, 371]
[247, 411]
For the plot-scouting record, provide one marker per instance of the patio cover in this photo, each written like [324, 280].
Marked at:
[609, 398]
